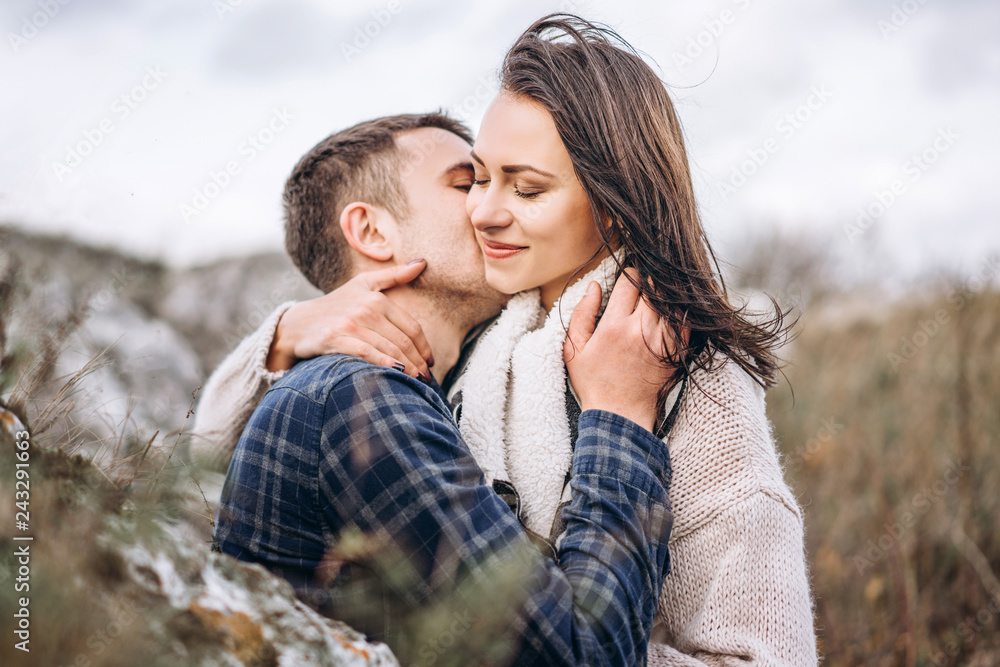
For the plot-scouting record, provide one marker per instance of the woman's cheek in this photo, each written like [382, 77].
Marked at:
[533, 211]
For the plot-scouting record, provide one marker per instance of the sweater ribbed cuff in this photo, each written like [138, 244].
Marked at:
[265, 335]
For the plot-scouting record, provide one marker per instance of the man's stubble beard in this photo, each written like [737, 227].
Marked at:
[465, 299]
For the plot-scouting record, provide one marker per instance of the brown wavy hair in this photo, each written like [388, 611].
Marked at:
[618, 124]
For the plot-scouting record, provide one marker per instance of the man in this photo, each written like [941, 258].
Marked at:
[351, 479]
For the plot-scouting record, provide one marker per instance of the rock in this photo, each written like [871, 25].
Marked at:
[113, 583]
[216, 306]
[225, 610]
[156, 333]
[144, 380]
[105, 351]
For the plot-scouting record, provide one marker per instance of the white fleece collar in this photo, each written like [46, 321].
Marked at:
[514, 398]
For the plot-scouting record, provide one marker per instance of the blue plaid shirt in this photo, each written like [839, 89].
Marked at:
[352, 481]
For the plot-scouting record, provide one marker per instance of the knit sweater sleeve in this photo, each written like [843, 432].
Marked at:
[738, 592]
[232, 393]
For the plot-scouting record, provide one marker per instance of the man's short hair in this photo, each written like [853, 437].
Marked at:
[361, 163]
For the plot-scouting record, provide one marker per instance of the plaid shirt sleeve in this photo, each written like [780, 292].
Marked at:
[390, 463]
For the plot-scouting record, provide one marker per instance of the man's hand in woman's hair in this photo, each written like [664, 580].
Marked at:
[615, 365]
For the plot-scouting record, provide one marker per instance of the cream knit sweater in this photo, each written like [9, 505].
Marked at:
[738, 590]
[231, 394]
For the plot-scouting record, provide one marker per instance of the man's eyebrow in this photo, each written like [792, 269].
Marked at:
[458, 166]
[515, 168]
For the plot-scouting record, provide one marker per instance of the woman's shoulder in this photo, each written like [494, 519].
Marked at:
[723, 399]
[721, 447]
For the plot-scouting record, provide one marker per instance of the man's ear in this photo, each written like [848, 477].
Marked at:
[365, 228]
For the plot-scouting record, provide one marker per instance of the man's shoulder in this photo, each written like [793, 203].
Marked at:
[315, 377]
[328, 377]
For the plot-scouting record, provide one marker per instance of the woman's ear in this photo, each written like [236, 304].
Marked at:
[612, 232]
[365, 228]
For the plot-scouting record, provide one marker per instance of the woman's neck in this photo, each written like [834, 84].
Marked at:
[553, 290]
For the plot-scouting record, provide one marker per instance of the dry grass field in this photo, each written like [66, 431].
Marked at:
[892, 444]
[888, 422]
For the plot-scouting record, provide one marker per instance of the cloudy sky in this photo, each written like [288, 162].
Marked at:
[122, 117]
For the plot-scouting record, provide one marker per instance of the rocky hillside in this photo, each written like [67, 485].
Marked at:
[156, 334]
[106, 556]
[106, 579]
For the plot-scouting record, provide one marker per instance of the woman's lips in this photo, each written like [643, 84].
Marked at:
[495, 250]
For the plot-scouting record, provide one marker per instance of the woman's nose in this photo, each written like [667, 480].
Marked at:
[488, 213]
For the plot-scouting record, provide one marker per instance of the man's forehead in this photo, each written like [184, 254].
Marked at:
[433, 149]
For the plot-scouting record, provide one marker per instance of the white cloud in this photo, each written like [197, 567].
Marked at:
[226, 75]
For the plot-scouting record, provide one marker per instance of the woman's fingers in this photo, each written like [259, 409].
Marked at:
[407, 333]
[395, 323]
[356, 310]
[383, 279]
[378, 350]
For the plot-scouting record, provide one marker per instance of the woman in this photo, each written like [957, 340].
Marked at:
[580, 171]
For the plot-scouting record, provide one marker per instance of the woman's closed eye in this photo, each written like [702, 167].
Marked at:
[527, 193]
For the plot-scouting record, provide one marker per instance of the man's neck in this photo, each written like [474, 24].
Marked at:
[444, 335]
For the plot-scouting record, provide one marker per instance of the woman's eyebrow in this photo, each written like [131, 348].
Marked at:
[516, 168]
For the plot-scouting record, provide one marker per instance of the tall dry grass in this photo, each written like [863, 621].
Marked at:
[892, 444]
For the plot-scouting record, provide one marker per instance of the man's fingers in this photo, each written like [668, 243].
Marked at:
[652, 331]
[583, 321]
[383, 279]
[621, 303]
[661, 337]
